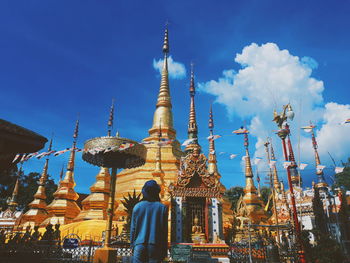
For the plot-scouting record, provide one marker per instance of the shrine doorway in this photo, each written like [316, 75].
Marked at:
[196, 206]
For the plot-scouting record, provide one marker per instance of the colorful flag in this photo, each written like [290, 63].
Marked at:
[164, 142]
[320, 167]
[145, 142]
[212, 152]
[221, 153]
[302, 166]
[188, 141]
[31, 155]
[16, 157]
[241, 131]
[257, 160]
[125, 146]
[78, 150]
[272, 163]
[339, 169]
[232, 156]
[23, 157]
[61, 152]
[346, 121]
[109, 149]
[286, 164]
[308, 128]
[244, 157]
[213, 137]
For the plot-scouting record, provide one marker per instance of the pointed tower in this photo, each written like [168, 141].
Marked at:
[163, 116]
[321, 182]
[95, 205]
[192, 130]
[13, 201]
[37, 208]
[276, 184]
[212, 162]
[63, 209]
[163, 159]
[253, 204]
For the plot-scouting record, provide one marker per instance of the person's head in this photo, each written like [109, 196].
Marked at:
[150, 191]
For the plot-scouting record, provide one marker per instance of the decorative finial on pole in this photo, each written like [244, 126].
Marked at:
[76, 130]
[111, 118]
[166, 40]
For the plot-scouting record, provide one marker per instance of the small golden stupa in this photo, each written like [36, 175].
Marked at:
[37, 208]
[63, 209]
[250, 206]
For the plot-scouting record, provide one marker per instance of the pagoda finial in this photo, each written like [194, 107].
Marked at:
[163, 107]
[321, 182]
[211, 122]
[13, 202]
[276, 183]
[212, 163]
[192, 123]
[111, 118]
[61, 173]
[166, 40]
[70, 166]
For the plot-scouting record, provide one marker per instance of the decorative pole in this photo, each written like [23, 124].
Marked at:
[266, 144]
[283, 133]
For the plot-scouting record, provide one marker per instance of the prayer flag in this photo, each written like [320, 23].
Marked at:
[213, 137]
[339, 169]
[302, 166]
[125, 146]
[272, 163]
[244, 157]
[232, 156]
[16, 157]
[257, 160]
[308, 128]
[188, 141]
[221, 153]
[241, 131]
[320, 167]
[212, 152]
[61, 152]
[346, 121]
[286, 164]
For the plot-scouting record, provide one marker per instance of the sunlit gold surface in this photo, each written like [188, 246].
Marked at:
[95, 205]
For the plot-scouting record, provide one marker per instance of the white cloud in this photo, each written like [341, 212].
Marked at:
[271, 77]
[176, 70]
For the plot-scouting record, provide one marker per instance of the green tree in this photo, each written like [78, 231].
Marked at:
[265, 193]
[28, 185]
[233, 194]
[342, 180]
[320, 217]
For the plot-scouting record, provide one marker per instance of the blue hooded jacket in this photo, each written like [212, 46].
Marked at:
[149, 222]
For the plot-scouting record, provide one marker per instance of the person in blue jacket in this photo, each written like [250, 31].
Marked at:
[149, 226]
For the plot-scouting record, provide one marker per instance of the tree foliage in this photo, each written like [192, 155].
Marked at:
[233, 194]
[28, 185]
[342, 180]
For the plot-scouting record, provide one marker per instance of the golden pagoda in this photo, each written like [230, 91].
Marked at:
[95, 205]
[37, 208]
[9, 219]
[162, 163]
[63, 209]
[250, 206]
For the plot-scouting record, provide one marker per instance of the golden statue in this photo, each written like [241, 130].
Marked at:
[197, 232]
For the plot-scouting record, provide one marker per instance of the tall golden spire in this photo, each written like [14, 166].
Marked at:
[63, 209]
[321, 182]
[13, 201]
[158, 166]
[163, 116]
[192, 130]
[276, 183]
[254, 204]
[37, 208]
[212, 162]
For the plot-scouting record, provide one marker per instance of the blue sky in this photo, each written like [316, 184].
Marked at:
[59, 59]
